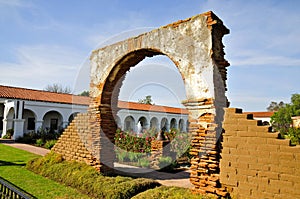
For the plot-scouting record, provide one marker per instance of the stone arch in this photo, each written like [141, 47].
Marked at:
[72, 116]
[195, 46]
[9, 120]
[129, 123]
[53, 120]
[144, 122]
[154, 124]
[173, 123]
[181, 125]
[164, 124]
[30, 119]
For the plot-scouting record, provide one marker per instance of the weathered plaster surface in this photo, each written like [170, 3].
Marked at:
[195, 46]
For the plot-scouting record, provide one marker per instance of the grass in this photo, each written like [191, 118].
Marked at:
[86, 179]
[12, 168]
[170, 192]
[15, 166]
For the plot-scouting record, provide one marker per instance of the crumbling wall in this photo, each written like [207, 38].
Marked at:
[255, 163]
[73, 143]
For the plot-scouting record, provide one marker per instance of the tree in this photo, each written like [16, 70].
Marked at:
[146, 100]
[57, 88]
[274, 106]
[85, 93]
[282, 120]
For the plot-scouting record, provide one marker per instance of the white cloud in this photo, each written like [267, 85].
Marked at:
[256, 58]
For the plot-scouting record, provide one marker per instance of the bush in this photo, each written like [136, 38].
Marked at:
[144, 162]
[50, 143]
[39, 142]
[43, 137]
[130, 142]
[86, 179]
[294, 135]
[9, 134]
[170, 192]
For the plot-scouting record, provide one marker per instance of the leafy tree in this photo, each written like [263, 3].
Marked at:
[274, 106]
[57, 88]
[146, 100]
[282, 120]
[85, 93]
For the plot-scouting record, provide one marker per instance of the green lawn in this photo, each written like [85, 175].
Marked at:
[12, 168]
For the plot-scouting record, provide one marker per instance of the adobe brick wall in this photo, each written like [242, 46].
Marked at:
[73, 144]
[254, 162]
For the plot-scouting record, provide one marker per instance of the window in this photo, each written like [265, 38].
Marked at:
[31, 123]
[53, 124]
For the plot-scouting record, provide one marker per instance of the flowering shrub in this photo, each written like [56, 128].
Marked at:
[131, 148]
[130, 142]
[181, 144]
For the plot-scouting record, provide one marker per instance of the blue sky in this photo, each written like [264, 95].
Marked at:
[45, 42]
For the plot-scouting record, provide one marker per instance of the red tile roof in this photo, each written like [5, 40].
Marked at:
[46, 96]
[39, 95]
[261, 114]
[148, 107]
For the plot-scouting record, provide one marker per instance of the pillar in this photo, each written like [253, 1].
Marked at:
[205, 145]
[18, 128]
[38, 125]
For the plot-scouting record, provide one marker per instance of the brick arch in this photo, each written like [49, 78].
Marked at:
[195, 46]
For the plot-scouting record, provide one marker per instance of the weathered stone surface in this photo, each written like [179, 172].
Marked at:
[195, 46]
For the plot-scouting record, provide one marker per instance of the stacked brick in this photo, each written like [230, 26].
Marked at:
[159, 149]
[205, 161]
[102, 131]
[73, 143]
[255, 163]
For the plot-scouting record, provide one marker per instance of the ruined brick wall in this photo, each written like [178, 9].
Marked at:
[255, 163]
[73, 143]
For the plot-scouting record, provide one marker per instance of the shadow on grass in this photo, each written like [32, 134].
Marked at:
[5, 163]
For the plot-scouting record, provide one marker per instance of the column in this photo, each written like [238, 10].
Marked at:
[38, 125]
[205, 145]
[18, 128]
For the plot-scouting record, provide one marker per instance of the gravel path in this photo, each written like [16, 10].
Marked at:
[27, 147]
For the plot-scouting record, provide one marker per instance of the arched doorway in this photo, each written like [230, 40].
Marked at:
[181, 125]
[129, 124]
[144, 123]
[173, 124]
[10, 118]
[53, 121]
[164, 125]
[30, 117]
[72, 116]
[154, 124]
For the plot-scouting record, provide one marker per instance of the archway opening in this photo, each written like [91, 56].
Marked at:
[143, 123]
[72, 116]
[131, 82]
[30, 118]
[53, 121]
[129, 124]
[154, 124]
[10, 119]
